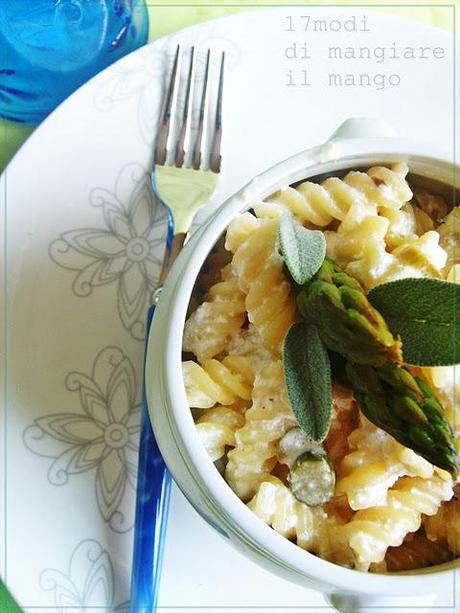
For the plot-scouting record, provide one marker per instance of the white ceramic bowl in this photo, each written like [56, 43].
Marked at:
[357, 143]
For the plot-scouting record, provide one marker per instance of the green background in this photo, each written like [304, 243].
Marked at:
[167, 17]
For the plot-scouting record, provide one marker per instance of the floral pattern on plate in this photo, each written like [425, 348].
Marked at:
[103, 437]
[125, 251]
[140, 77]
[87, 583]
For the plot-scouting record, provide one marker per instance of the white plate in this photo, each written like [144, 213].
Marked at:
[83, 246]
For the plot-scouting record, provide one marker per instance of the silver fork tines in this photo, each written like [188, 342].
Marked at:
[196, 158]
[201, 155]
[216, 157]
[187, 116]
[161, 149]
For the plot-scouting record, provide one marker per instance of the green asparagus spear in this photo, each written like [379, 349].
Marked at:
[346, 321]
[407, 408]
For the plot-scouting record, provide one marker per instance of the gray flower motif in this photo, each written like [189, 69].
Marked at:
[140, 75]
[87, 583]
[104, 438]
[127, 252]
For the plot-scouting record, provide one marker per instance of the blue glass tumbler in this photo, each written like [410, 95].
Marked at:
[48, 48]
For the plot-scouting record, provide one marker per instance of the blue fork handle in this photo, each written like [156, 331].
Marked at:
[152, 505]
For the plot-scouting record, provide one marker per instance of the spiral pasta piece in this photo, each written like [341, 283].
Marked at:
[416, 552]
[375, 463]
[371, 531]
[216, 429]
[405, 223]
[267, 420]
[420, 256]
[209, 329]
[275, 505]
[239, 229]
[320, 204]
[270, 301]
[311, 527]
[359, 246]
[311, 203]
[218, 382]
[389, 189]
[246, 343]
[445, 525]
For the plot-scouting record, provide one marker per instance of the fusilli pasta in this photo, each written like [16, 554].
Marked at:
[270, 301]
[218, 382]
[209, 329]
[267, 420]
[320, 204]
[276, 505]
[374, 465]
[312, 527]
[246, 342]
[371, 531]
[359, 246]
[239, 229]
[216, 428]
[420, 256]
[406, 222]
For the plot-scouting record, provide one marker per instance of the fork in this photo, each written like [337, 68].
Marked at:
[184, 177]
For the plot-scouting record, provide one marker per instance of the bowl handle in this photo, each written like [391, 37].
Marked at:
[355, 603]
[363, 127]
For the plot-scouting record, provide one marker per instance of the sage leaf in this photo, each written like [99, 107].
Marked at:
[425, 313]
[303, 250]
[307, 373]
